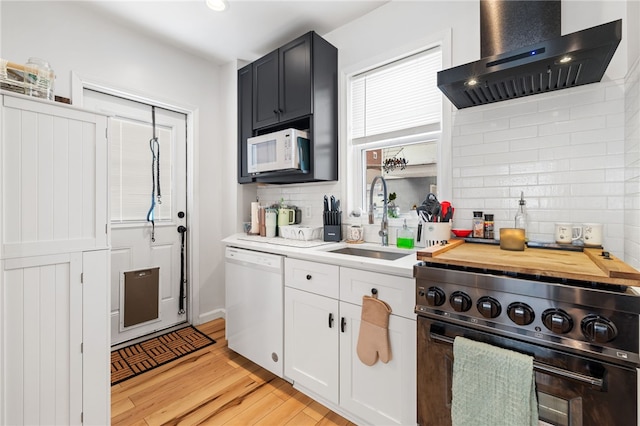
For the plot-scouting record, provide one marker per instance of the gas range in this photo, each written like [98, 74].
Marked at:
[580, 317]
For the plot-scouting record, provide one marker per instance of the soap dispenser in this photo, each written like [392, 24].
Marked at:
[404, 237]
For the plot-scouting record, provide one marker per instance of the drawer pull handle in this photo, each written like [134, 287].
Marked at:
[308, 277]
[330, 320]
[343, 324]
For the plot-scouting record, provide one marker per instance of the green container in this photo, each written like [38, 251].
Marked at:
[404, 238]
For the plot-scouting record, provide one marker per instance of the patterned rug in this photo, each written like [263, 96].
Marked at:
[135, 359]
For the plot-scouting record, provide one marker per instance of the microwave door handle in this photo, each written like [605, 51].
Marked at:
[594, 382]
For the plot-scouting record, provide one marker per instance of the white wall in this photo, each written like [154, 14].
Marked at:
[73, 38]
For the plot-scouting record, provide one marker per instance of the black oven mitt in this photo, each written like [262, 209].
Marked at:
[373, 340]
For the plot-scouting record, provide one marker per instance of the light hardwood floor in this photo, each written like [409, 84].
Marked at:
[214, 386]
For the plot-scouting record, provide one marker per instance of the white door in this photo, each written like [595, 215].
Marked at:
[137, 243]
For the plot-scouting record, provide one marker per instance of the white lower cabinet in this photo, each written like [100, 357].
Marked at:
[54, 361]
[321, 337]
[311, 342]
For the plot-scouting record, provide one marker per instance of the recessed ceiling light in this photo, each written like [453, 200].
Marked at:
[217, 5]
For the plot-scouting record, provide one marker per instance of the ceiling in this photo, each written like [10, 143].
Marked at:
[247, 30]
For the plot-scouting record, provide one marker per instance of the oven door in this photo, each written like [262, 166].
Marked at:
[572, 390]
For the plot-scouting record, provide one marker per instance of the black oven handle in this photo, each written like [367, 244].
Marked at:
[541, 367]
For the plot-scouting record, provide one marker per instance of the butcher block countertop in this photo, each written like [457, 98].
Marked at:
[587, 265]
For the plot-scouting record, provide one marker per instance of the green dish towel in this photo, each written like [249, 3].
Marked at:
[492, 386]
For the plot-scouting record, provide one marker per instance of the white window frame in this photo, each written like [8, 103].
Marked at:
[352, 168]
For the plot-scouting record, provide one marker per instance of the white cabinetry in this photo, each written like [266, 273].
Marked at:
[322, 323]
[54, 264]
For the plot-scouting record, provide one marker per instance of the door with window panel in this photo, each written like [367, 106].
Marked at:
[146, 258]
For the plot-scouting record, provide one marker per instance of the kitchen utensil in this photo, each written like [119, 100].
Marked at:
[333, 204]
[446, 211]
[326, 204]
[432, 206]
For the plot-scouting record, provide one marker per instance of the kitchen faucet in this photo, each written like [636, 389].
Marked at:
[384, 233]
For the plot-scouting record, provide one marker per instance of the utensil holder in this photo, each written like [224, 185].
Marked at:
[436, 233]
[332, 232]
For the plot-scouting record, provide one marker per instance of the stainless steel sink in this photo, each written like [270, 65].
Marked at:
[375, 254]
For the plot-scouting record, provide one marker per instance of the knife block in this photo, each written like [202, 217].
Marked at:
[332, 232]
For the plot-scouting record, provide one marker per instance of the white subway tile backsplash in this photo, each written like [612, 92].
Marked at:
[545, 117]
[510, 134]
[565, 151]
[570, 126]
[512, 109]
[484, 170]
[484, 126]
[595, 110]
[570, 97]
[599, 135]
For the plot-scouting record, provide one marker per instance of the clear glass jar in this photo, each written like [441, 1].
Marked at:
[39, 78]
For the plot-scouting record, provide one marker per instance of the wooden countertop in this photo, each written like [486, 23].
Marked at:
[588, 265]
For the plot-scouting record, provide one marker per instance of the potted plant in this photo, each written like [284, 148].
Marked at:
[393, 211]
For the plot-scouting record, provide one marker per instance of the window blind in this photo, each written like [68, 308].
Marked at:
[397, 98]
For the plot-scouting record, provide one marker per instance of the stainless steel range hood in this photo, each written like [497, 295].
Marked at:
[544, 66]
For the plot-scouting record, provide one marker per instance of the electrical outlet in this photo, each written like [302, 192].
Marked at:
[307, 212]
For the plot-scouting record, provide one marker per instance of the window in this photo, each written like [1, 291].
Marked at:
[395, 129]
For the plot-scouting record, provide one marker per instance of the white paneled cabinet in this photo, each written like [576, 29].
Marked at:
[322, 323]
[54, 264]
[311, 342]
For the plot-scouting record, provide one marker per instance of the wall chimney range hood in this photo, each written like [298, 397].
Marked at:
[557, 63]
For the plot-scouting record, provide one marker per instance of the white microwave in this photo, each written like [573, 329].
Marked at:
[285, 150]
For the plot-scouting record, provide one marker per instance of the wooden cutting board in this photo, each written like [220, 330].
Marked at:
[588, 265]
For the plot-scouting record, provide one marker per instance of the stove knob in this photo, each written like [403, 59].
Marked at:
[435, 296]
[598, 329]
[520, 313]
[489, 307]
[557, 321]
[460, 301]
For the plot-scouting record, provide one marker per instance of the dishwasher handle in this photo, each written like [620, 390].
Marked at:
[254, 259]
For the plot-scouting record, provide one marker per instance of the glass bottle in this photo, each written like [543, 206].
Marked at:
[477, 226]
[521, 216]
[488, 226]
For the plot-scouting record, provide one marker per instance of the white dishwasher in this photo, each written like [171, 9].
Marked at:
[254, 307]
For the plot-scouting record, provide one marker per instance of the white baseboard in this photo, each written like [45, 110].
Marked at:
[210, 316]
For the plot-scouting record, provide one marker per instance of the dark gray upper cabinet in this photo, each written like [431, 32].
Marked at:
[283, 83]
[245, 120]
[293, 86]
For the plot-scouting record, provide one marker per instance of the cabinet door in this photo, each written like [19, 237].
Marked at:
[245, 119]
[295, 78]
[41, 360]
[311, 342]
[266, 110]
[53, 180]
[381, 393]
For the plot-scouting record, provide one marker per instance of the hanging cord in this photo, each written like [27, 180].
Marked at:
[183, 231]
[154, 145]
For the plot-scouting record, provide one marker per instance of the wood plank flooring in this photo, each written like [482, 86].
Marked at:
[214, 386]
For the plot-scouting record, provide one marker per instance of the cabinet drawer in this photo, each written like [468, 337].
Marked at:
[318, 278]
[398, 292]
